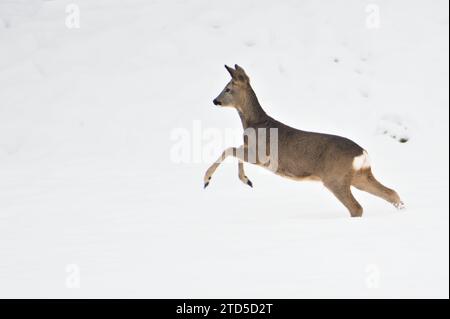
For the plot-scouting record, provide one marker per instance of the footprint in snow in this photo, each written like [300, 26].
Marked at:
[249, 43]
[394, 126]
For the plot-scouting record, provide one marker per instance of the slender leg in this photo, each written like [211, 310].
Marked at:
[242, 175]
[232, 151]
[368, 183]
[343, 193]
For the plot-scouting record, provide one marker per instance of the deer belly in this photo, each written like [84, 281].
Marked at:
[299, 177]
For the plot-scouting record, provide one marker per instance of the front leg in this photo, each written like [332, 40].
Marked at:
[210, 171]
[232, 151]
[242, 175]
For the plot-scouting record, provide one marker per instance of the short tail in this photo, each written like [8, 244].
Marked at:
[361, 162]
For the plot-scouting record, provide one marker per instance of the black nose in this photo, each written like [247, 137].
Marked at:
[216, 102]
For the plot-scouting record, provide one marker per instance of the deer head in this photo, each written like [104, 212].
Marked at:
[236, 91]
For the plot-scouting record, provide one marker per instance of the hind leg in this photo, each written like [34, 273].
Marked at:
[365, 181]
[343, 192]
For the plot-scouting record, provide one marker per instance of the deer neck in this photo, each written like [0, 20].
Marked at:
[251, 112]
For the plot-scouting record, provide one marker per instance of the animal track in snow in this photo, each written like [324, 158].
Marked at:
[250, 43]
[395, 127]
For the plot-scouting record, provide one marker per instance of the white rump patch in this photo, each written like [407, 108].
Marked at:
[362, 161]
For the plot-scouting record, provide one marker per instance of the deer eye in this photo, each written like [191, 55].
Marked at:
[227, 90]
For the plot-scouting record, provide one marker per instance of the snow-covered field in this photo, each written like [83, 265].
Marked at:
[96, 200]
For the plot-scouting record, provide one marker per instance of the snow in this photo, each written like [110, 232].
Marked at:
[94, 203]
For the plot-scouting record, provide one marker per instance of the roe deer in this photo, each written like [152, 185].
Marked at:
[337, 162]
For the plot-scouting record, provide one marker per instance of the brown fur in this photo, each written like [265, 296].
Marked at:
[302, 155]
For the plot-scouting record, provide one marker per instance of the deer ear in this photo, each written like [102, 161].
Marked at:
[238, 68]
[231, 71]
[241, 75]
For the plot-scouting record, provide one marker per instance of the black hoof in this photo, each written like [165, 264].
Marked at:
[206, 185]
[250, 184]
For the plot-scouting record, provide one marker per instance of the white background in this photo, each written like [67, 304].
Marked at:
[94, 204]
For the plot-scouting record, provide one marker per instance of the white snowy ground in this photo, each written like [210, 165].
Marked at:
[92, 195]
